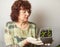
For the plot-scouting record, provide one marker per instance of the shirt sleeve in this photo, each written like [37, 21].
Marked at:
[34, 31]
[7, 36]
[19, 41]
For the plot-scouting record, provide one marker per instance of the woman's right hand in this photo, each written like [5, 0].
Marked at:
[28, 40]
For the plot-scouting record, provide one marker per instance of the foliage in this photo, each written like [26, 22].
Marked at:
[46, 33]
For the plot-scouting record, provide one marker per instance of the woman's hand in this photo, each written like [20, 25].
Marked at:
[28, 40]
[31, 39]
[34, 41]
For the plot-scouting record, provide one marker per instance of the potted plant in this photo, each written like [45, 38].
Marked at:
[46, 35]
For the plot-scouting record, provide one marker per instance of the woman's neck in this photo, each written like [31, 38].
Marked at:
[22, 25]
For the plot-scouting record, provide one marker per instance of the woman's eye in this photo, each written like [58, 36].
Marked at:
[24, 12]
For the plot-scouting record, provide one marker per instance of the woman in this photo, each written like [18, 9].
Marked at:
[17, 31]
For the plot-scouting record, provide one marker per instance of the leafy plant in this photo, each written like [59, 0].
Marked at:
[46, 33]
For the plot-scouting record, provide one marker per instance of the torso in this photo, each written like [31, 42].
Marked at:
[20, 34]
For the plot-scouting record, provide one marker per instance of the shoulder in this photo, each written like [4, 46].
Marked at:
[32, 24]
[10, 24]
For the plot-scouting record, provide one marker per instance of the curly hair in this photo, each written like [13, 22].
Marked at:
[16, 7]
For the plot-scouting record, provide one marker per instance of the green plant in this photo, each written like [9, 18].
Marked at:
[46, 33]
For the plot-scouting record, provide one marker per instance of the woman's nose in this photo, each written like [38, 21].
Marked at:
[27, 13]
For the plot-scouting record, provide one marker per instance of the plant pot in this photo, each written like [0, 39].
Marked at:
[46, 40]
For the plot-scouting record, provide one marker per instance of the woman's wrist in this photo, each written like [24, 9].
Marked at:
[25, 41]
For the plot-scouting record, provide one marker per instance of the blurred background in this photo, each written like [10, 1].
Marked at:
[45, 13]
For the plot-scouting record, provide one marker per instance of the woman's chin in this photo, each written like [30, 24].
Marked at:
[26, 21]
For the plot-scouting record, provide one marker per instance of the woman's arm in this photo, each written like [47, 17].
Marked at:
[7, 36]
[20, 41]
[34, 30]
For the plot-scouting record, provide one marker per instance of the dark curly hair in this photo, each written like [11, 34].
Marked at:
[16, 7]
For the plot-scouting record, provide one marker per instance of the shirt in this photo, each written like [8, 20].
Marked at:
[15, 35]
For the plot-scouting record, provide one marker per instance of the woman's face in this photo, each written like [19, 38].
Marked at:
[23, 15]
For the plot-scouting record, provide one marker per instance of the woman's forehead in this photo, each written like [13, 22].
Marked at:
[23, 8]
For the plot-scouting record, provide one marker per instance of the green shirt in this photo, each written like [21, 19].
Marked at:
[15, 35]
